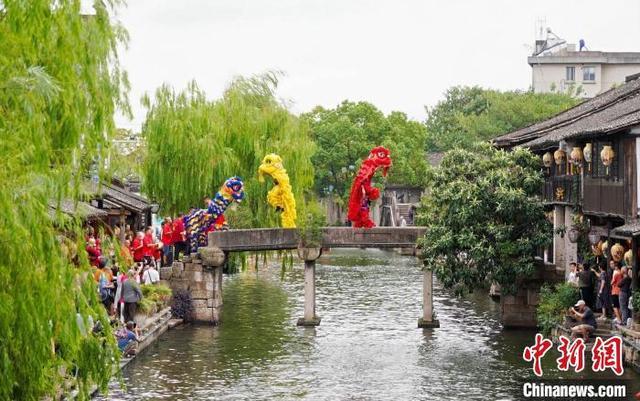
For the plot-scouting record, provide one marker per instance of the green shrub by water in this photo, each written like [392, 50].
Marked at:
[554, 302]
[155, 298]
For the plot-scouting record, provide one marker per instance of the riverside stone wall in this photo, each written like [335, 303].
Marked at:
[203, 282]
[519, 310]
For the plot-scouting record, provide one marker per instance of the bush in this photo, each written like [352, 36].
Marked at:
[182, 305]
[554, 302]
[156, 297]
[636, 301]
[147, 306]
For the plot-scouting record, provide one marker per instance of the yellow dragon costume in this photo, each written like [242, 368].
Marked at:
[280, 196]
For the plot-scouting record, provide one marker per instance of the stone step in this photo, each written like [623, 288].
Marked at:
[175, 322]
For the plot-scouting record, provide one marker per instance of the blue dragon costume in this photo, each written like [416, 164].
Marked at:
[201, 221]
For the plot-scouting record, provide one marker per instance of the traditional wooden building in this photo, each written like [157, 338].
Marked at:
[82, 210]
[123, 207]
[590, 157]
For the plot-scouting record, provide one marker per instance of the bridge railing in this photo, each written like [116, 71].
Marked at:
[262, 239]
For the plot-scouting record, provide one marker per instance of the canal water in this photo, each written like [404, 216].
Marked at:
[366, 348]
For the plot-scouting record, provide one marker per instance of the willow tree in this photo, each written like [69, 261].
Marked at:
[59, 86]
[195, 144]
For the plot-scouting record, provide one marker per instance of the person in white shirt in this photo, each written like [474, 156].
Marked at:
[151, 275]
[573, 274]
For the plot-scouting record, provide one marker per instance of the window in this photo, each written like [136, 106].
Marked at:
[571, 74]
[588, 73]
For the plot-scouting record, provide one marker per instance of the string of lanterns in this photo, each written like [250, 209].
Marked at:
[577, 157]
[573, 164]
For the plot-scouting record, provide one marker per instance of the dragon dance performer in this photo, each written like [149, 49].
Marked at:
[281, 195]
[201, 221]
[362, 192]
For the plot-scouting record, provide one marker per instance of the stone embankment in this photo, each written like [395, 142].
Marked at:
[630, 341]
[203, 282]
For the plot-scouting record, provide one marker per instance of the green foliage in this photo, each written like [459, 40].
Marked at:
[636, 301]
[583, 227]
[483, 218]
[195, 144]
[60, 83]
[471, 114]
[147, 306]
[345, 135]
[155, 297]
[554, 303]
[312, 219]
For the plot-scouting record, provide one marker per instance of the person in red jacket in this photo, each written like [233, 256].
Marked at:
[167, 242]
[137, 248]
[94, 252]
[179, 235]
[157, 252]
[148, 246]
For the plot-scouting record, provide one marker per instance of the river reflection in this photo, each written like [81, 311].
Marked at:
[367, 347]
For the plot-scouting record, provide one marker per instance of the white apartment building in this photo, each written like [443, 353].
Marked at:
[592, 72]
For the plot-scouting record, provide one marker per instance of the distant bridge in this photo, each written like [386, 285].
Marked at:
[274, 239]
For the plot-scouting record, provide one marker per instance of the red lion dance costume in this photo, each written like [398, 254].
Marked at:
[362, 193]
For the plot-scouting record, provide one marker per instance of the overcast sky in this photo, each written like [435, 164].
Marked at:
[397, 54]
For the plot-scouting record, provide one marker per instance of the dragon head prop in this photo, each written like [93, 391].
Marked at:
[380, 157]
[272, 163]
[233, 188]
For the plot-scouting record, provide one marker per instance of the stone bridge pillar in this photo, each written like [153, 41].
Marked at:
[309, 255]
[428, 319]
[208, 303]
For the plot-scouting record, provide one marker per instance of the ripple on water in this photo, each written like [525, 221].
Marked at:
[367, 347]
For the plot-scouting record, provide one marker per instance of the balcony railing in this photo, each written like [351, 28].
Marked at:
[607, 197]
[562, 189]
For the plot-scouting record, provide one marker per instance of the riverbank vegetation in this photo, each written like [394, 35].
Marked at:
[484, 218]
[155, 298]
[60, 83]
[554, 304]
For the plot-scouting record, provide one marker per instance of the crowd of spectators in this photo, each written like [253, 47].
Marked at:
[118, 276]
[606, 289]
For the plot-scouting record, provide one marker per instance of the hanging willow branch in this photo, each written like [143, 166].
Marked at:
[60, 83]
[195, 144]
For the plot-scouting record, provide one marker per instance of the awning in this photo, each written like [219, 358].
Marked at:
[629, 230]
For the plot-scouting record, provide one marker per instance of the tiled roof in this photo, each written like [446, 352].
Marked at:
[79, 209]
[120, 197]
